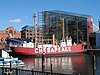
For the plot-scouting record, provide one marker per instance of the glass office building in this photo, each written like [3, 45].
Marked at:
[78, 26]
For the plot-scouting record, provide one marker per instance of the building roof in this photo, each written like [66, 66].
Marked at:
[98, 31]
[95, 28]
[27, 26]
[69, 13]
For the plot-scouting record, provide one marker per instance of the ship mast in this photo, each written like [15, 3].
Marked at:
[35, 35]
[63, 29]
[53, 39]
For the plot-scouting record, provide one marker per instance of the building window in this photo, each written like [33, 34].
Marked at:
[27, 30]
[6, 32]
[30, 30]
[30, 34]
[14, 32]
[11, 31]
[2, 39]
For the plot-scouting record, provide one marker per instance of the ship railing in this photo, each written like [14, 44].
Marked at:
[15, 45]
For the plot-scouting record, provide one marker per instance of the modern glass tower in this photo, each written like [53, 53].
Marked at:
[78, 26]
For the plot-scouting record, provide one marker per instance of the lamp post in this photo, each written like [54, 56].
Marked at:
[43, 55]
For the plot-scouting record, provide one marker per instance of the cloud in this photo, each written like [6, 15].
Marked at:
[15, 21]
[26, 16]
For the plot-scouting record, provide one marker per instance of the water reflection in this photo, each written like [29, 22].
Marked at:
[69, 64]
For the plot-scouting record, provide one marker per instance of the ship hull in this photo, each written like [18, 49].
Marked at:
[48, 50]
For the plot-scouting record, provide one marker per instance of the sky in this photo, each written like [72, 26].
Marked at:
[19, 13]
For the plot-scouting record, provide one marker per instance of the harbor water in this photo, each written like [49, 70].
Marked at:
[80, 64]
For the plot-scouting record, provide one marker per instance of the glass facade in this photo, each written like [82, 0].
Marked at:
[65, 24]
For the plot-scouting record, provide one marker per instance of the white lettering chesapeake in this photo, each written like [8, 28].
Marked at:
[66, 49]
[52, 49]
[69, 48]
[59, 50]
[56, 49]
[36, 50]
[44, 49]
[48, 49]
[63, 49]
[40, 50]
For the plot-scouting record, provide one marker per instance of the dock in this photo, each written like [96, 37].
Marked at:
[16, 71]
[93, 51]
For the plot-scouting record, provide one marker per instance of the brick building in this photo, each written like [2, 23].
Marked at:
[8, 32]
[27, 32]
